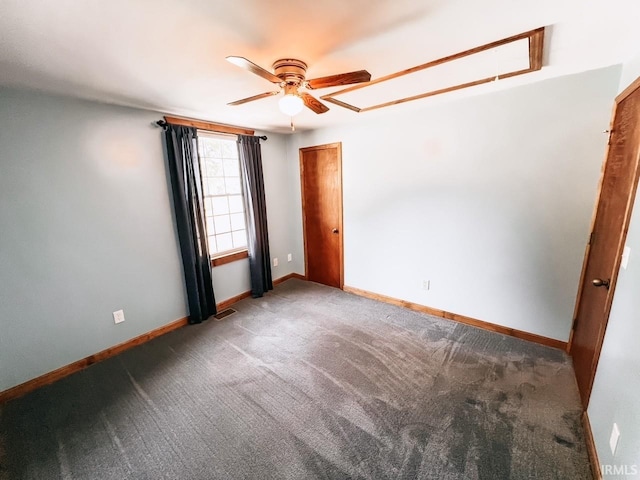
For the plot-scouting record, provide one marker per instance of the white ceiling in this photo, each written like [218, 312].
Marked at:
[169, 55]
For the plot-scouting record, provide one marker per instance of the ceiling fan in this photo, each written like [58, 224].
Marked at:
[289, 75]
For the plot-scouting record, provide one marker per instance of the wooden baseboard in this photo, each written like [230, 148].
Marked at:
[223, 305]
[591, 447]
[60, 373]
[280, 280]
[230, 301]
[531, 337]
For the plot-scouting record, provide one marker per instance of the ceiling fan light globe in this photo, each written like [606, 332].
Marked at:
[291, 104]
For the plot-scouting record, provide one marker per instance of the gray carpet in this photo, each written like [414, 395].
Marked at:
[308, 382]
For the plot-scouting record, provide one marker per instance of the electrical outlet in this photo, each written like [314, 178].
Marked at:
[275, 262]
[289, 258]
[118, 317]
[613, 440]
[426, 284]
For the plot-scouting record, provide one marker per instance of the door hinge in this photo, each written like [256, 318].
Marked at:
[592, 238]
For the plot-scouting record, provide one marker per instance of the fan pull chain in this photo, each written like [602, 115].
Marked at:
[293, 128]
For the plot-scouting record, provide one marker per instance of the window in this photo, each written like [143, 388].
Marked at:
[223, 201]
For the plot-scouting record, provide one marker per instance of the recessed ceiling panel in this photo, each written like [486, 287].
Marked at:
[511, 57]
[504, 58]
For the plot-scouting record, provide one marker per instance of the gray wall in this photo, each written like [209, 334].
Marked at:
[488, 197]
[617, 384]
[86, 228]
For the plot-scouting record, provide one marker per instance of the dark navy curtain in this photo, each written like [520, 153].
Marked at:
[184, 170]
[256, 208]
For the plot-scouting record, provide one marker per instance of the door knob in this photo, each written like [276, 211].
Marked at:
[597, 282]
[335, 230]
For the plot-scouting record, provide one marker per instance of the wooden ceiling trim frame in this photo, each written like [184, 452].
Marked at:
[212, 127]
[340, 103]
[536, 44]
[536, 47]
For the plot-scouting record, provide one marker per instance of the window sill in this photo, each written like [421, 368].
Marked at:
[228, 258]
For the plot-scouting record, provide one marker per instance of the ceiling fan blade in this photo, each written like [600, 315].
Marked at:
[255, 97]
[253, 68]
[313, 103]
[339, 79]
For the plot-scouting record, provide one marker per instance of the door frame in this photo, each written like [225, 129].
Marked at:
[327, 146]
[621, 244]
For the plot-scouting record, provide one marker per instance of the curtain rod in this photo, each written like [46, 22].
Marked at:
[212, 127]
[164, 124]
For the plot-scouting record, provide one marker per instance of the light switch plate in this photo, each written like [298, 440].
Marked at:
[626, 253]
[275, 262]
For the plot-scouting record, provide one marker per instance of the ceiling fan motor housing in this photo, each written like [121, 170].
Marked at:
[290, 70]
[290, 75]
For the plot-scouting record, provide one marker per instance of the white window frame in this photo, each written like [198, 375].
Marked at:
[235, 253]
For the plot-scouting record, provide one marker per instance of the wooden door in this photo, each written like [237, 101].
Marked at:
[609, 230]
[321, 178]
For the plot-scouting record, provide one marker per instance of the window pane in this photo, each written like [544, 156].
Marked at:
[231, 167]
[225, 242]
[216, 186]
[212, 245]
[222, 223]
[220, 205]
[214, 167]
[239, 239]
[224, 204]
[233, 185]
[237, 221]
[210, 147]
[229, 149]
[235, 204]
